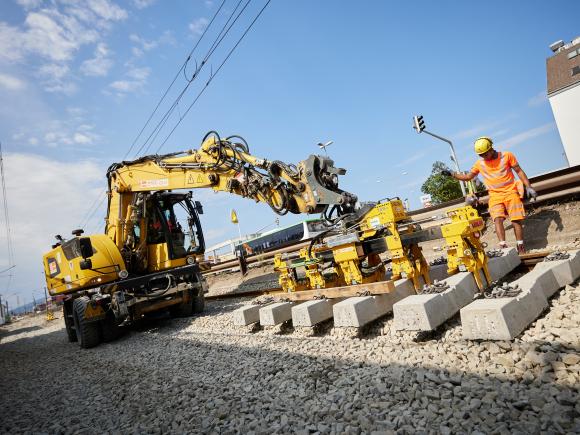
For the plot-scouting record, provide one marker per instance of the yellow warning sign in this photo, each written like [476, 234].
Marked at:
[192, 179]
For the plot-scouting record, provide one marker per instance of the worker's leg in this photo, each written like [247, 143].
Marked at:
[518, 230]
[500, 230]
[498, 213]
[516, 212]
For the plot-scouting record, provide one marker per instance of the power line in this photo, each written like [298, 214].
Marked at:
[96, 203]
[9, 245]
[214, 75]
[217, 42]
[182, 68]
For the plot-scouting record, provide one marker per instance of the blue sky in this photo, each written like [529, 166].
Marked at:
[78, 80]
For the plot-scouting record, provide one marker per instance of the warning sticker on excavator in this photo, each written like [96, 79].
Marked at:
[162, 182]
[192, 179]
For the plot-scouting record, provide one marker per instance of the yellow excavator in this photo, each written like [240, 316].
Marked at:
[148, 258]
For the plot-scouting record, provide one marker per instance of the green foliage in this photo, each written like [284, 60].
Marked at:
[440, 187]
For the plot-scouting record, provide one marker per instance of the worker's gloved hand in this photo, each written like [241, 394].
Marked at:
[531, 193]
[446, 173]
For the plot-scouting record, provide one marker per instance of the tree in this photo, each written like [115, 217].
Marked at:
[440, 187]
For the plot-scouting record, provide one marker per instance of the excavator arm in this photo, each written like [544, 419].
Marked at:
[225, 165]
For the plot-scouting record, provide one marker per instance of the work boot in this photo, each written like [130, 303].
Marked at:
[521, 248]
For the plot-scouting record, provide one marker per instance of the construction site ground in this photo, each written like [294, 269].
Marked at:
[205, 375]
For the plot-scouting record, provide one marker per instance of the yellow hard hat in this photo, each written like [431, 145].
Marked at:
[483, 145]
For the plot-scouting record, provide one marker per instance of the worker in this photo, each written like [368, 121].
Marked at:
[497, 170]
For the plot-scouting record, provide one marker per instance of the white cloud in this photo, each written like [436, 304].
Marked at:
[82, 139]
[55, 78]
[100, 64]
[29, 4]
[53, 35]
[107, 10]
[137, 79]
[528, 134]
[11, 83]
[56, 189]
[142, 4]
[198, 26]
[72, 133]
[143, 45]
[538, 99]
[208, 3]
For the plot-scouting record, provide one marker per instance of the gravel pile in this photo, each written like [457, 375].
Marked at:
[203, 375]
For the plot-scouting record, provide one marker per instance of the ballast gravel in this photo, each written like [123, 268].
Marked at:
[203, 375]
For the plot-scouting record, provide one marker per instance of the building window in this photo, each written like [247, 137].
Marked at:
[576, 70]
[572, 54]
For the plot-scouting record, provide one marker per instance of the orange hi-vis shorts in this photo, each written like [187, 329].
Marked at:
[502, 206]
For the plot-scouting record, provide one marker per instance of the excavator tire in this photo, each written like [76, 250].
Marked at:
[69, 323]
[109, 327]
[87, 332]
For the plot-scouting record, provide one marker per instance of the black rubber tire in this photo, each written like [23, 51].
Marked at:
[109, 327]
[69, 323]
[198, 303]
[184, 309]
[87, 332]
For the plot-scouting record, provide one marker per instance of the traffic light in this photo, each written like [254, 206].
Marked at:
[418, 123]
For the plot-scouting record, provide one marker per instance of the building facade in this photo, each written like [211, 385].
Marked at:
[563, 71]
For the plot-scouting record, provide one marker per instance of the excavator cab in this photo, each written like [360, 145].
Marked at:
[174, 231]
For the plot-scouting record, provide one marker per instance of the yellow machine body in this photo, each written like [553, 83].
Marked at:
[406, 260]
[465, 251]
[62, 265]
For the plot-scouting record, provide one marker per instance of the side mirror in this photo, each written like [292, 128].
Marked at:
[86, 264]
[198, 207]
[85, 247]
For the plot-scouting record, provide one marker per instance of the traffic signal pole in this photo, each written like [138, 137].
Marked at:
[461, 183]
[419, 126]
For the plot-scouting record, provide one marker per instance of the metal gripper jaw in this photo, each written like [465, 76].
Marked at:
[321, 178]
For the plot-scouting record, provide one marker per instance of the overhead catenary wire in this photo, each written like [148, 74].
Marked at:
[214, 75]
[179, 71]
[217, 42]
[9, 244]
[96, 204]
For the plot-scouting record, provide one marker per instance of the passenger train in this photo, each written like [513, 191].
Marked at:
[282, 237]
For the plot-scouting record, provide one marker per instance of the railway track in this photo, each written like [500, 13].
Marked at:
[528, 261]
[554, 185]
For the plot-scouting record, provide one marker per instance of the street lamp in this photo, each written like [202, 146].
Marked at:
[323, 146]
[419, 125]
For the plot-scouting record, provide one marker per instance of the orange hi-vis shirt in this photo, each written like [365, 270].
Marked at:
[497, 174]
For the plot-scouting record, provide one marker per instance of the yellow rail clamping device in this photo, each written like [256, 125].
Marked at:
[465, 252]
[406, 260]
[315, 278]
[285, 274]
